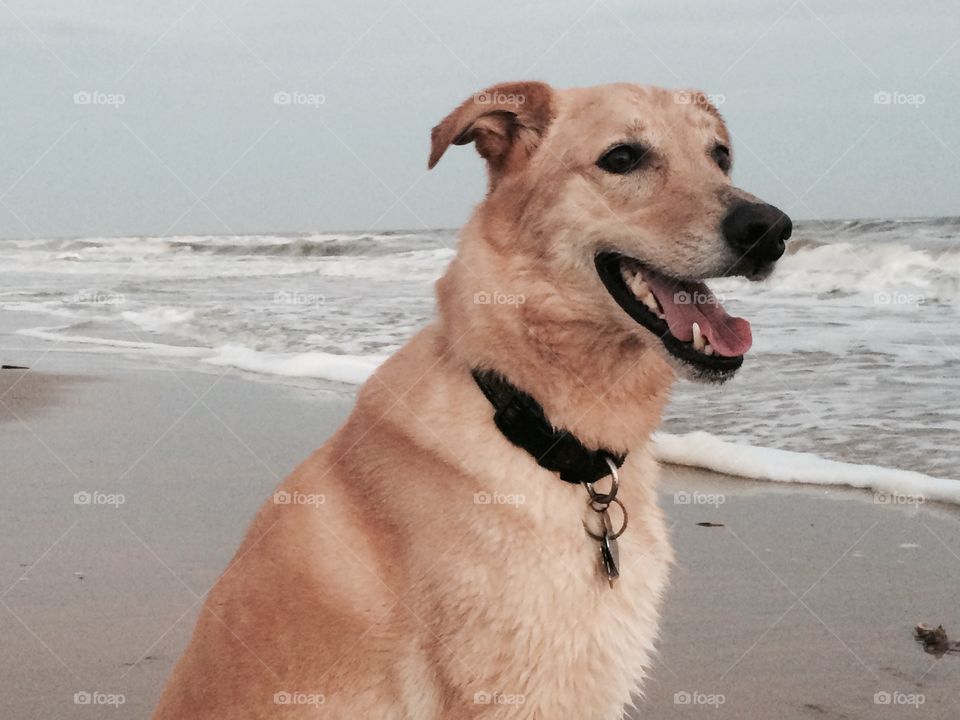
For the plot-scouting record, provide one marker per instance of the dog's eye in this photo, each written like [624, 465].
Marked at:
[622, 159]
[721, 156]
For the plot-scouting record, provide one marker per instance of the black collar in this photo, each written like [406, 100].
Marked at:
[521, 420]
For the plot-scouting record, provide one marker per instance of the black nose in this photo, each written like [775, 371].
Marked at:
[757, 231]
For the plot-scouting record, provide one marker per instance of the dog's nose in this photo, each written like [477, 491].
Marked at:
[757, 231]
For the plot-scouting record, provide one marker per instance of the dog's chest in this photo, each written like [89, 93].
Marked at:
[552, 638]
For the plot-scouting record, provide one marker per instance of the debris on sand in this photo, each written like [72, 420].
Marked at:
[710, 524]
[935, 640]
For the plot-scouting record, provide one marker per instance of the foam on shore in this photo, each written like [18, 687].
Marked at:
[110, 344]
[696, 449]
[352, 369]
[707, 451]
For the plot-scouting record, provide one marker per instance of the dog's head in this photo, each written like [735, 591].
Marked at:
[608, 207]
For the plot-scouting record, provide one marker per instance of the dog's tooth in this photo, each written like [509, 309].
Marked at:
[708, 349]
[638, 287]
[698, 342]
[650, 301]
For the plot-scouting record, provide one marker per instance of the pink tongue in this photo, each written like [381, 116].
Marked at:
[685, 303]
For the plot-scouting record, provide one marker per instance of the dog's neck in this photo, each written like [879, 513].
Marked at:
[607, 391]
[522, 421]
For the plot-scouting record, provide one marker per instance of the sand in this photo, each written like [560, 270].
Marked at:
[798, 603]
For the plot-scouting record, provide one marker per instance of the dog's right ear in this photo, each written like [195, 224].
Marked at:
[505, 121]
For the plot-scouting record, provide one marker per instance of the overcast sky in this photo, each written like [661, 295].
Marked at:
[151, 117]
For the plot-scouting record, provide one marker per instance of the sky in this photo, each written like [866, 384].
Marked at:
[244, 116]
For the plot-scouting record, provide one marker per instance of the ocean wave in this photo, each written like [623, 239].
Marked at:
[347, 369]
[281, 246]
[868, 227]
[892, 486]
[695, 449]
[365, 245]
[57, 335]
[159, 319]
[879, 268]
[350, 369]
[879, 226]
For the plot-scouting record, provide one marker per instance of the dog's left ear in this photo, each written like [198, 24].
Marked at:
[505, 121]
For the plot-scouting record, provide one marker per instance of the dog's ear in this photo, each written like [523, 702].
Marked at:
[505, 121]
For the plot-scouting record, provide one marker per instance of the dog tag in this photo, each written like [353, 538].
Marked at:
[609, 550]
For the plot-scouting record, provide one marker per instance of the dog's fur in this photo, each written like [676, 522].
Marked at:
[403, 598]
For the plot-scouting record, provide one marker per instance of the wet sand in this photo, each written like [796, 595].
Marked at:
[799, 602]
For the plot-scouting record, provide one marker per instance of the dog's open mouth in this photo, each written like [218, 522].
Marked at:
[686, 316]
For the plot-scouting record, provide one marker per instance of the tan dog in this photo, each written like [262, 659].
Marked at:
[446, 574]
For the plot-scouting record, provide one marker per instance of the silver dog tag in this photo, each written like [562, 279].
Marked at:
[609, 550]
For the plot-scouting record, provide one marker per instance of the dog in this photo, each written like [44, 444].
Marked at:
[436, 559]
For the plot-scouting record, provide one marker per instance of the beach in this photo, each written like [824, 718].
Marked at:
[129, 482]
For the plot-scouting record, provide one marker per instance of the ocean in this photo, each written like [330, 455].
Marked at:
[856, 351]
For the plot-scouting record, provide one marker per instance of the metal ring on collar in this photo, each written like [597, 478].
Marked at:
[605, 498]
[618, 533]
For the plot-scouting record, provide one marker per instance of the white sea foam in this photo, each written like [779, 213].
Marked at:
[704, 450]
[350, 369]
[695, 449]
[119, 345]
[160, 319]
[353, 369]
